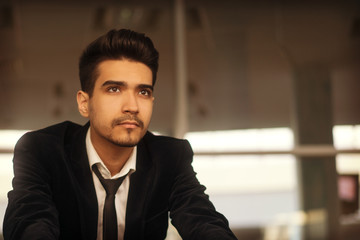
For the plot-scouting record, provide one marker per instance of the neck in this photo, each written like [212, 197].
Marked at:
[115, 160]
[114, 157]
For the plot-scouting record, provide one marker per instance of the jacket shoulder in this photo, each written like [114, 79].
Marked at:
[58, 132]
[164, 141]
[63, 127]
[165, 148]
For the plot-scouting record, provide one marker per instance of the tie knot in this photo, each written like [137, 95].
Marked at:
[110, 185]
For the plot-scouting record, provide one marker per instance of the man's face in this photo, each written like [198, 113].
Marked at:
[121, 105]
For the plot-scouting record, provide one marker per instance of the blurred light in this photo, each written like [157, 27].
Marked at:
[238, 140]
[8, 138]
[346, 136]
[244, 173]
[6, 174]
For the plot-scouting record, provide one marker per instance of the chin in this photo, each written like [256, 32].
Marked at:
[128, 139]
[127, 145]
[126, 142]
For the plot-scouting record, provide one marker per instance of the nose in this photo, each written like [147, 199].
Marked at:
[130, 104]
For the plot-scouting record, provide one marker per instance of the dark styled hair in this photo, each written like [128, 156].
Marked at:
[116, 45]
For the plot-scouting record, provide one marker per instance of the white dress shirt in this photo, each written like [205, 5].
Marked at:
[122, 193]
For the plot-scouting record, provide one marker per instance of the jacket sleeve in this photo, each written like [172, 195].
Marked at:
[191, 211]
[31, 213]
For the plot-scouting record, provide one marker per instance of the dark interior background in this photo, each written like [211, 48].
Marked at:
[241, 58]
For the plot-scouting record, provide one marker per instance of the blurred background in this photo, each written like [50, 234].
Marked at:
[267, 93]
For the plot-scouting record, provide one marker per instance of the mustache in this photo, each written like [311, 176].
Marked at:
[124, 118]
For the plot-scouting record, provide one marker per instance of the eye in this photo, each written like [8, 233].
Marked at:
[113, 89]
[145, 92]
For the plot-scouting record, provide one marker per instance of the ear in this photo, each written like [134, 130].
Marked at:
[83, 103]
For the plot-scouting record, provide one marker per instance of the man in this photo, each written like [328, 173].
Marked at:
[60, 188]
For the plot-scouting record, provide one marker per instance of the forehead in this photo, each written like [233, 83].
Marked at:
[124, 70]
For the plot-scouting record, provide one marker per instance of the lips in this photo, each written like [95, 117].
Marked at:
[129, 124]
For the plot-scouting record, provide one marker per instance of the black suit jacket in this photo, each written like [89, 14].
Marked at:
[53, 194]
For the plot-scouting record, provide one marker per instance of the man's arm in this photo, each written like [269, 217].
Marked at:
[31, 213]
[193, 215]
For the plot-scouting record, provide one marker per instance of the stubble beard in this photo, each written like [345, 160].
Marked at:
[123, 141]
[126, 140]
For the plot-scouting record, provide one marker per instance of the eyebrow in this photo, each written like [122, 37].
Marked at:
[146, 86]
[124, 84]
[113, 82]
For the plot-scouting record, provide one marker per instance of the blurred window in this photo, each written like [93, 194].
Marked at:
[248, 189]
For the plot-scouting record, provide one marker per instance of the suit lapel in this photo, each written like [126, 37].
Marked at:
[87, 201]
[137, 198]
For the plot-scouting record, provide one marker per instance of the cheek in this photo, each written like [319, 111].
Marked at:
[99, 109]
[147, 111]
[150, 109]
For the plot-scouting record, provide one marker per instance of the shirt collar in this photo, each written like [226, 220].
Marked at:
[129, 167]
